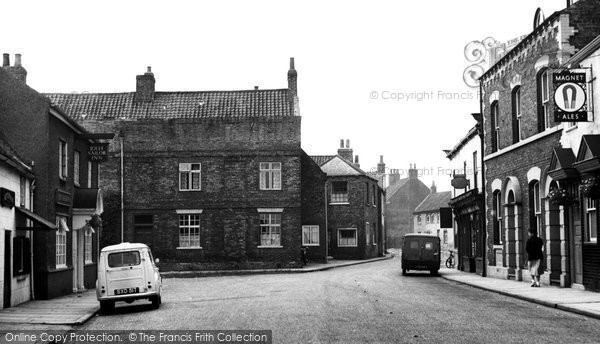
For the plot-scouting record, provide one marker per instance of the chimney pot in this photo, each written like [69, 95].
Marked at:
[149, 70]
[17, 60]
[356, 159]
[6, 60]
[347, 143]
[342, 143]
[256, 87]
[381, 158]
[291, 63]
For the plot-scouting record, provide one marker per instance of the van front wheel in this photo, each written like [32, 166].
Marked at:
[403, 272]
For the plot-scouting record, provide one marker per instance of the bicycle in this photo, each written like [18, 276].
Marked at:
[450, 260]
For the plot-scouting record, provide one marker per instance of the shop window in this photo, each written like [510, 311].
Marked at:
[535, 211]
[76, 158]
[89, 239]
[591, 219]
[61, 242]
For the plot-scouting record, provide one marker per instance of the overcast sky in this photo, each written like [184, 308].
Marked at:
[346, 53]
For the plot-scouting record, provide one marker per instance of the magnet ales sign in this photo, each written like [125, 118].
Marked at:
[570, 96]
[98, 152]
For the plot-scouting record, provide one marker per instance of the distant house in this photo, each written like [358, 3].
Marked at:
[66, 194]
[402, 197]
[210, 179]
[354, 214]
[427, 218]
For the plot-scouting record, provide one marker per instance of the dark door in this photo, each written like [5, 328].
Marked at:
[7, 268]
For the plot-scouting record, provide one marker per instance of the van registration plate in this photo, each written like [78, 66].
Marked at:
[126, 291]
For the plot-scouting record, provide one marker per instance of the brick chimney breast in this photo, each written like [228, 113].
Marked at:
[144, 87]
[17, 70]
[346, 152]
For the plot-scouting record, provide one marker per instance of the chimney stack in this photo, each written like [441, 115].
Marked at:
[412, 172]
[17, 70]
[293, 89]
[381, 165]
[346, 152]
[394, 176]
[144, 87]
[433, 187]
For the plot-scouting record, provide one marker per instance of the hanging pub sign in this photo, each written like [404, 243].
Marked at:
[570, 96]
[98, 152]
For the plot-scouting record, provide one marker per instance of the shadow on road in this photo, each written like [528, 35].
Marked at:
[125, 308]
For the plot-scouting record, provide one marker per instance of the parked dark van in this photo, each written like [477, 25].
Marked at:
[421, 252]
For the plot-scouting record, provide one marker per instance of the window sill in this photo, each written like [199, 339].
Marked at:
[269, 246]
[270, 189]
[89, 263]
[309, 245]
[347, 246]
[186, 190]
[189, 248]
[339, 203]
[498, 247]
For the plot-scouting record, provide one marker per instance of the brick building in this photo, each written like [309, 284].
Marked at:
[66, 193]
[355, 224]
[208, 179]
[403, 195]
[521, 138]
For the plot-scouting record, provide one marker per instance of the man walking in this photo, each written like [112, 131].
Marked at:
[534, 248]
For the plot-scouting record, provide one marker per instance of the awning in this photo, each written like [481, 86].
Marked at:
[88, 199]
[42, 224]
[561, 164]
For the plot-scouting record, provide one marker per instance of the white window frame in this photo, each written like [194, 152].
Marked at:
[537, 206]
[190, 171]
[88, 245]
[89, 174]
[61, 244]
[189, 231]
[418, 219]
[495, 109]
[339, 232]
[270, 175]
[339, 197]
[311, 233]
[545, 85]
[445, 236]
[270, 230]
[498, 209]
[368, 232]
[63, 159]
[591, 220]
[517, 100]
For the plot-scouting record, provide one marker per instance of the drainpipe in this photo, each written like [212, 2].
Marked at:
[31, 235]
[326, 224]
[483, 184]
[122, 185]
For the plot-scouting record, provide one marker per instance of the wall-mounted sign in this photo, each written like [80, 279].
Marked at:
[459, 181]
[570, 96]
[63, 198]
[98, 152]
[7, 198]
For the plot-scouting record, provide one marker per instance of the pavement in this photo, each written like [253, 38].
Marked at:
[62, 313]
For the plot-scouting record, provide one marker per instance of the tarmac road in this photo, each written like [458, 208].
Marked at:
[369, 303]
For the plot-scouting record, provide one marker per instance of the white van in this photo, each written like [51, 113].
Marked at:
[127, 272]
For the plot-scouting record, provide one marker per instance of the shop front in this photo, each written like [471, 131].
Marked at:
[468, 208]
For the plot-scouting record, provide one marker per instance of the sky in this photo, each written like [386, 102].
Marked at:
[387, 75]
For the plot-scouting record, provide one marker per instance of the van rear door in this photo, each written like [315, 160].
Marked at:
[412, 249]
[429, 252]
[124, 273]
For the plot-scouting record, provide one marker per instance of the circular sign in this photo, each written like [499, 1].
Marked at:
[569, 97]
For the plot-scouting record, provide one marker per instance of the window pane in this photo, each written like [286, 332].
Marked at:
[195, 181]
[183, 181]
[277, 179]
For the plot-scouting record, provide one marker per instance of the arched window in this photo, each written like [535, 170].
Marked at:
[543, 96]
[516, 114]
[497, 217]
[428, 219]
[495, 114]
[535, 207]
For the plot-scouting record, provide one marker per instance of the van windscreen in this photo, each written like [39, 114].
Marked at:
[119, 259]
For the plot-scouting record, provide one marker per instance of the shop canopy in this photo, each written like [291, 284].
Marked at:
[40, 222]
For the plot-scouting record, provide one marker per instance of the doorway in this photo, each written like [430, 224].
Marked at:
[7, 269]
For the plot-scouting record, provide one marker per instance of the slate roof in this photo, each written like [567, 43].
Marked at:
[434, 202]
[321, 159]
[167, 105]
[392, 189]
[336, 166]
